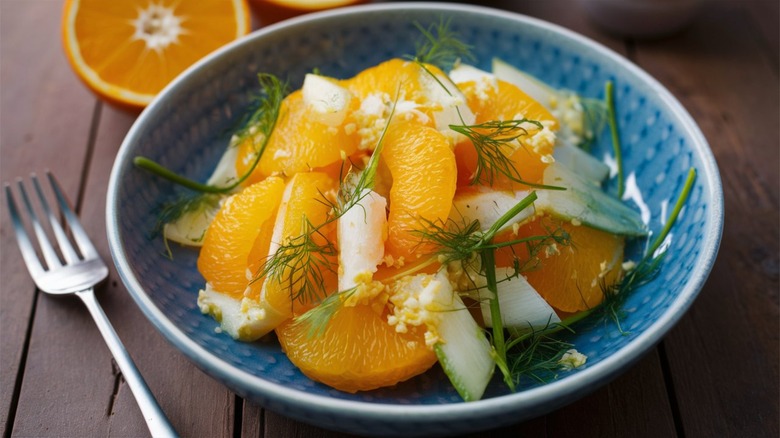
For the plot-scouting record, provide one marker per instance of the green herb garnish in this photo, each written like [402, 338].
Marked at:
[537, 354]
[595, 117]
[440, 46]
[260, 124]
[494, 142]
[649, 266]
[309, 255]
[609, 97]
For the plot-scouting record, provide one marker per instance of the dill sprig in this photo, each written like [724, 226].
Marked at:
[472, 242]
[537, 354]
[300, 263]
[457, 243]
[316, 319]
[354, 189]
[266, 111]
[440, 46]
[468, 244]
[491, 140]
[494, 142]
[171, 211]
[260, 124]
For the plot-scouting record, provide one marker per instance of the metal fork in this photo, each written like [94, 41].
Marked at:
[77, 273]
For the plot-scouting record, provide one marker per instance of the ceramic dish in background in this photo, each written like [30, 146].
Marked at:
[185, 129]
[643, 19]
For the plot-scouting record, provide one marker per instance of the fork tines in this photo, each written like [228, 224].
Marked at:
[69, 254]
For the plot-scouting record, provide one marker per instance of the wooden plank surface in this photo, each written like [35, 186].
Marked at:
[36, 90]
[723, 357]
[716, 373]
[169, 374]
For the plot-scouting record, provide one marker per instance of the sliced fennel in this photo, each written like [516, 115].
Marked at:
[522, 308]
[584, 202]
[487, 207]
[449, 103]
[192, 219]
[532, 86]
[461, 346]
[580, 162]
[225, 172]
[464, 351]
[245, 319]
[362, 231]
[579, 118]
[189, 226]
[467, 73]
[328, 101]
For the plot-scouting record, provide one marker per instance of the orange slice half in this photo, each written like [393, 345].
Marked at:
[127, 51]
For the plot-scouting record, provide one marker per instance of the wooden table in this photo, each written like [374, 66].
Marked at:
[715, 374]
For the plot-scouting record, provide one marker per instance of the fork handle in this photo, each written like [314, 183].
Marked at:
[155, 418]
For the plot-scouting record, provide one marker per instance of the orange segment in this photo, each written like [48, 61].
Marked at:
[423, 170]
[401, 80]
[303, 201]
[298, 143]
[358, 350]
[239, 237]
[569, 277]
[503, 103]
[385, 78]
[127, 51]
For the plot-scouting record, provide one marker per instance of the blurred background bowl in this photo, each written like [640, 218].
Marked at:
[642, 18]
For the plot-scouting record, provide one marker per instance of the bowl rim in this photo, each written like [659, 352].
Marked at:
[572, 386]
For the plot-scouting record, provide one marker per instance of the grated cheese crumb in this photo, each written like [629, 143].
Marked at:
[572, 359]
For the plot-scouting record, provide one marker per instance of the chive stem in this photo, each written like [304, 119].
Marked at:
[164, 172]
[689, 180]
[506, 217]
[499, 342]
[613, 128]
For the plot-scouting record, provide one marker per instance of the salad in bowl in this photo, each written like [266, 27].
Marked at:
[437, 224]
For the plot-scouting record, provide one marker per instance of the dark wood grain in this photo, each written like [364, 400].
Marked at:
[764, 14]
[169, 374]
[252, 420]
[715, 374]
[723, 357]
[46, 117]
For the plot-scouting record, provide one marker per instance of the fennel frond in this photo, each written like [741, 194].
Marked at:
[262, 121]
[440, 46]
[300, 264]
[495, 142]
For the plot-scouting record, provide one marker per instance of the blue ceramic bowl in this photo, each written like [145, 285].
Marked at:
[185, 129]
